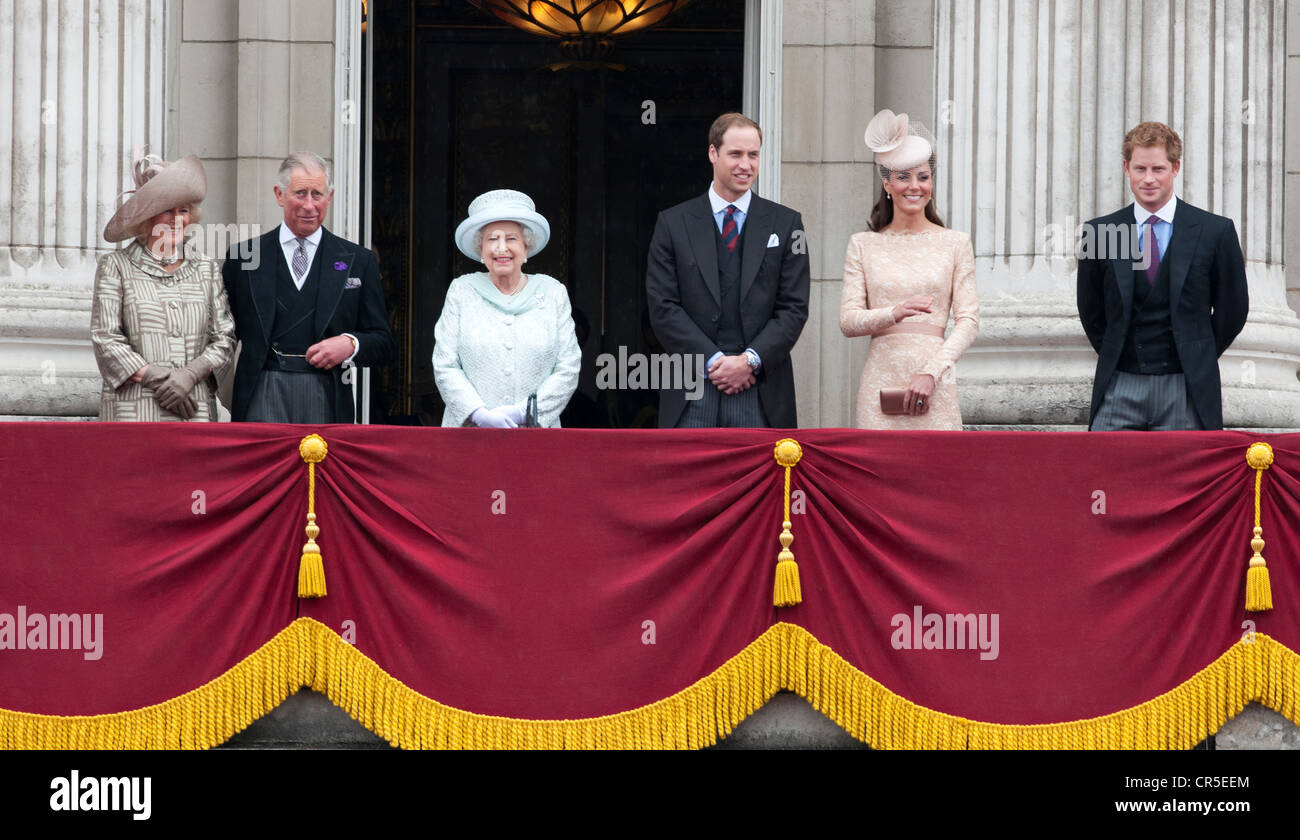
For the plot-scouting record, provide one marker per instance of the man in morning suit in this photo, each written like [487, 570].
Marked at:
[1160, 323]
[304, 303]
[727, 283]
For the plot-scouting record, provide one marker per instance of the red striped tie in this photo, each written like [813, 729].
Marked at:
[730, 233]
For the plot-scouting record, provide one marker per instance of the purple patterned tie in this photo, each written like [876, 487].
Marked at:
[730, 233]
[1151, 247]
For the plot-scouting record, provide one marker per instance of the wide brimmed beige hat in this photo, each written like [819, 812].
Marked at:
[502, 206]
[160, 186]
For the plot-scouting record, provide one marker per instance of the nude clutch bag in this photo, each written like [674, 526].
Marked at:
[891, 400]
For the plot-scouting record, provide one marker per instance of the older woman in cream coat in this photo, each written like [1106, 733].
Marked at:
[504, 335]
[160, 324]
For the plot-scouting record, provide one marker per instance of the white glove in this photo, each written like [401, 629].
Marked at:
[492, 418]
[514, 412]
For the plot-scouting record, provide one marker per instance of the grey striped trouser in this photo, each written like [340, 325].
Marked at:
[285, 397]
[715, 409]
[1146, 403]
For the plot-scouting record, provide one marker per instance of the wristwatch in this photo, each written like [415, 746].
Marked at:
[752, 358]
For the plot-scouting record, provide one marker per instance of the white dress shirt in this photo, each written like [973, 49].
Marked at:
[1164, 229]
[289, 243]
[719, 205]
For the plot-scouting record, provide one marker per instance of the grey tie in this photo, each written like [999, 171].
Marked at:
[300, 259]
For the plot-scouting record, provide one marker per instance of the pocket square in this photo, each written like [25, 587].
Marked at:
[773, 241]
[352, 283]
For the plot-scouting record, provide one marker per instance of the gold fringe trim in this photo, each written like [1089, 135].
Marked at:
[1262, 670]
[309, 654]
[205, 717]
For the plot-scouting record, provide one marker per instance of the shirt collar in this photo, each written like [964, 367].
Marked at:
[1164, 214]
[718, 203]
[287, 236]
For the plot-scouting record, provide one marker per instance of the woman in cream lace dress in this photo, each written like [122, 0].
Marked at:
[902, 279]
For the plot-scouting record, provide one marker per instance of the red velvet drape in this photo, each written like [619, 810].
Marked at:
[523, 573]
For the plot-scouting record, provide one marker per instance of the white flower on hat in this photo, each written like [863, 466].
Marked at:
[886, 131]
[896, 142]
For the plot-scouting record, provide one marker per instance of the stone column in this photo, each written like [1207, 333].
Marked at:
[238, 82]
[828, 65]
[87, 88]
[286, 100]
[1033, 103]
[1291, 181]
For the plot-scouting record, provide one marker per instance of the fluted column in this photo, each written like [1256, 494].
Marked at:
[1033, 103]
[81, 86]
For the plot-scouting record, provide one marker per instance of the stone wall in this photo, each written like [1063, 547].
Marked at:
[1029, 101]
[308, 720]
[1291, 184]
[829, 66]
[240, 83]
[255, 81]
[87, 88]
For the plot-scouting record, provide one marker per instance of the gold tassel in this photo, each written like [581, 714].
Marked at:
[1259, 592]
[786, 591]
[311, 569]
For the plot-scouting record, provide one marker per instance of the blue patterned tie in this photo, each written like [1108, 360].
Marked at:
[730, 232]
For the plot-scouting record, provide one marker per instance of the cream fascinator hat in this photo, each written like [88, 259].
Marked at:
[897, 143]
[159, 186]
[502, 206]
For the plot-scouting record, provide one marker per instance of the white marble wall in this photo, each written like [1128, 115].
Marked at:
[842, 62]
[240, 83]
[254, 81]
[87, 86]
[1014, 88]
[829, 78]
[1030, 101]
[1291, 181]
[1033, 102]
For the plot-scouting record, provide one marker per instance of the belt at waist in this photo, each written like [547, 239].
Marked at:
[913, 329]
[290, 364]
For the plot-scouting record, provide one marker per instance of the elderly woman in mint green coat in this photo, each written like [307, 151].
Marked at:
[504, 335]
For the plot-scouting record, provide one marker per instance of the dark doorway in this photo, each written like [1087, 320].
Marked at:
[464, 104]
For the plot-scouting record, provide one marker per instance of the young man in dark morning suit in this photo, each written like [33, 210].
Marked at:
[727, 282]
[1159, 319]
